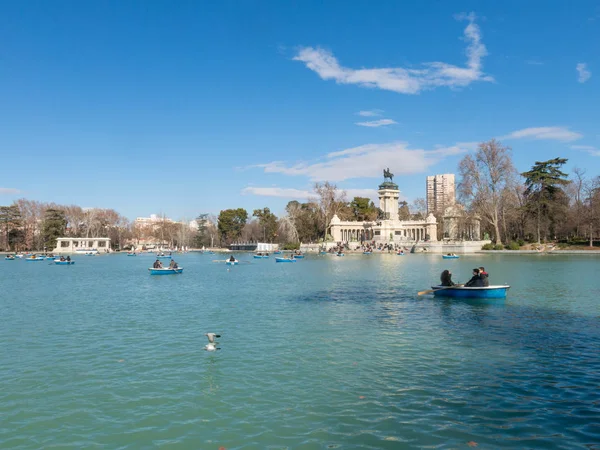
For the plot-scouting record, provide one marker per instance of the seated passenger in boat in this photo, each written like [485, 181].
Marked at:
[173, 264]
[232, 259]
[446, 278]
[475, 280]
[157, 264]
[485, 277]
[68, 258]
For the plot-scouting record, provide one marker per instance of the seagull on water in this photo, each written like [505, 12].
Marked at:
[212, 344]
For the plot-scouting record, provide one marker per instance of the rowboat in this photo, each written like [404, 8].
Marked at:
[63, 263]
[323, 253]
[232, 263]
[277, 252]
[35, 258]
[165, 271]
[400, 254]
[131, 254]
[298, 256]
[261, 256]
[283, 260]
[471, 292]
[450, 256]
[163, 257]
[9, 258]
[367, 253]
[339, 254]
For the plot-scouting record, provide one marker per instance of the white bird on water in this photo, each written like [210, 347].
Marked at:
[212, 344]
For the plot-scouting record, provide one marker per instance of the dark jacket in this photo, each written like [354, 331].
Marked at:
[485, 278]
[475, 281]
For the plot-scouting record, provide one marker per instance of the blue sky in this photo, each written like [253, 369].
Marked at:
[187, 107]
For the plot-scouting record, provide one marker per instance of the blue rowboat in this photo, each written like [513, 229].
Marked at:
[37, 258]
[339, 254]
[63, 263]
[298, 256]
[165, 271]
[450, 256]
[9, 258]
[131, 254]
[285, 260]
[232, 263]
[367, 253]
[471, 292]
[323, 253]
[277, 252]
[261, 256]
[164, 257]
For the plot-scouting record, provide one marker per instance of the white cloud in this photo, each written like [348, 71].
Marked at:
[587, 148]
[9, 191]
[366, 161]
[583, 73]
[544, 133]
[405, 81]
[370, 113]
[276, 192]
[377, 123]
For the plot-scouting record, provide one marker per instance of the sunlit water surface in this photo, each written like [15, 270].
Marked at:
[325, 353]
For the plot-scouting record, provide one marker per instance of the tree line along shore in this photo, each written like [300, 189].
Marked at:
[518, 210]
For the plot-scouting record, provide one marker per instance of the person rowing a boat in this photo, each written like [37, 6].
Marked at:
[232, 259]
[476, 280]
[173, 264]
[485, 277]
[446, 278]
[68, 258]
[157, 264]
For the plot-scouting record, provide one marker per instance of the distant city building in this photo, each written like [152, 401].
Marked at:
[441, 193]
[152, 220]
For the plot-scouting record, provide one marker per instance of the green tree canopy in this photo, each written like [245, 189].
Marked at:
[363, 209]
[10, 220]
[268, 222]
[543, 192]
[231, 223]
[54, 226]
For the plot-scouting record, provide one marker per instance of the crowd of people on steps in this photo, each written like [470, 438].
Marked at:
[480, 278]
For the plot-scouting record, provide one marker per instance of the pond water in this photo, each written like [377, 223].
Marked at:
[325, 353]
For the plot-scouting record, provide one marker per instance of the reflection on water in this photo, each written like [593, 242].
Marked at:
[326, 353]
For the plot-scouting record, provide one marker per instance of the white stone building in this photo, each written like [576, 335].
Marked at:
[389, 229]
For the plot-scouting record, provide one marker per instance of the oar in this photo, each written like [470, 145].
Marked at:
[429, 291]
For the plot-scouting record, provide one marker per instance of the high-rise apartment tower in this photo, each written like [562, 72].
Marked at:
[440, 192]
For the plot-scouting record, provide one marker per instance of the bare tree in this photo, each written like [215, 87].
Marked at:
[330, 202]
[484, 178]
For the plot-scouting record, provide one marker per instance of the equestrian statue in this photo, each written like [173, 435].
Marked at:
[387, 174]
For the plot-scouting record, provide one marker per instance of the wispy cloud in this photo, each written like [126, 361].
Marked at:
[9, 191]
[583, 73]
[587, 148]
[544, 133]
[276, 192]
[377, 123]
[370, 113]
[405, 81]
[366, 161]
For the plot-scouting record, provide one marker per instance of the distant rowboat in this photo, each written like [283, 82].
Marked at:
[450, 256]
[232, 263]
[261, 256]
[298, 256]
[284, 260]
[63, 263]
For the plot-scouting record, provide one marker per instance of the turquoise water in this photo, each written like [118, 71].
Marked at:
[324, 353]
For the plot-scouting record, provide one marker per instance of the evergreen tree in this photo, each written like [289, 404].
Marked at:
[54, 226]
[268, 222]
[543, 192]
[231, 223]
[10, 220]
